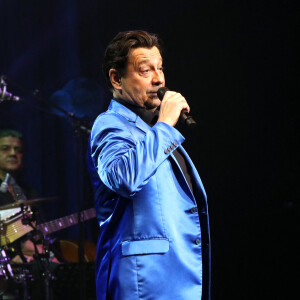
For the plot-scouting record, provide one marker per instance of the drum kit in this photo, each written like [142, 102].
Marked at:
[17, 220]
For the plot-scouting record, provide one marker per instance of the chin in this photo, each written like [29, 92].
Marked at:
[13, 170]
[152, 103]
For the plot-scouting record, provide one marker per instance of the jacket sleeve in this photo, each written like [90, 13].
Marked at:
[123, 162]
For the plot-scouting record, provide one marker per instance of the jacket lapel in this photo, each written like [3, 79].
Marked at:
[194, 174]
[144, 127]
[182, 177]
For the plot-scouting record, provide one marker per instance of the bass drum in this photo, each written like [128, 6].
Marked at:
[69, 251]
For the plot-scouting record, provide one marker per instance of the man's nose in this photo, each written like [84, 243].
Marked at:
[158, 78]
[13, 152]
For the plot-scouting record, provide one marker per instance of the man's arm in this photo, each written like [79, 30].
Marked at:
[124, 164]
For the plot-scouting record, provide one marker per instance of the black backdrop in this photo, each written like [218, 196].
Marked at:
[237, 64]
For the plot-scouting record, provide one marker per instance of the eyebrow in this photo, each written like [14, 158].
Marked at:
[146, 61]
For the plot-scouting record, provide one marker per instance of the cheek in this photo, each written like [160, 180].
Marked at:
[142, 82]
[139, 91]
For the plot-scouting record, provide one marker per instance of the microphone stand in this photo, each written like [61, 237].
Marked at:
[80, 131]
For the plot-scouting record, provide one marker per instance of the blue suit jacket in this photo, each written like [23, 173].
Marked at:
[154, 233]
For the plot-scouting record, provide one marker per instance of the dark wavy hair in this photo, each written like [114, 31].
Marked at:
[117, 52]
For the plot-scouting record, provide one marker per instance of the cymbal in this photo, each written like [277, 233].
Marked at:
[27, 202]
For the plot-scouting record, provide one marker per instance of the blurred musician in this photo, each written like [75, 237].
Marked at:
[12, 190]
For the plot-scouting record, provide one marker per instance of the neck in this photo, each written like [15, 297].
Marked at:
[133, 104]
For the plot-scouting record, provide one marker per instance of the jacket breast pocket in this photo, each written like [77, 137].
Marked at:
[149, 246]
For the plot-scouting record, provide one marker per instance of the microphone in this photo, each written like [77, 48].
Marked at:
[4, 95]
[184, 117]
[4, 184]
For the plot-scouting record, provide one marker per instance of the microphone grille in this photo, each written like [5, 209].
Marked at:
[161, 92]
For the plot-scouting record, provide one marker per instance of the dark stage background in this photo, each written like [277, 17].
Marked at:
[236, 62]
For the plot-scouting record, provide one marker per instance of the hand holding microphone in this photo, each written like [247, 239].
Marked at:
[172, 107]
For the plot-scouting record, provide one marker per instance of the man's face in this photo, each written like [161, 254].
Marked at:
[11, 155]
[143, 77]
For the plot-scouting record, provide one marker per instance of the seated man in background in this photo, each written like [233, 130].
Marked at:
[12, 190]
[11, 162]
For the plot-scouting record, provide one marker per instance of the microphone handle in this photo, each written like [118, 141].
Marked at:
[187, 120]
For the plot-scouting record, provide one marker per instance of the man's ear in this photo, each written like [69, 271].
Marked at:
[115, 79]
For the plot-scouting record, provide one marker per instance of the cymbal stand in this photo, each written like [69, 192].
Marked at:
[22, 279]
[24, 275]
[44, 260]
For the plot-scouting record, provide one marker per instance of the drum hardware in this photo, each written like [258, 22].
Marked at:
[47, 275]
[11, 229]
[28, 216]
[22, 279]
[5, 267]
[22, 223]
[5, 271]
[42, 260]
[23, 274]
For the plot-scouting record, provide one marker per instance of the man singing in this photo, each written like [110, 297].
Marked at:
[150, 201]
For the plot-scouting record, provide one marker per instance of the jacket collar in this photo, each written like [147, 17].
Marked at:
[129, 115]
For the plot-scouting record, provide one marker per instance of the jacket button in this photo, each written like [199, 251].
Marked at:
[193, 210]
[175, 144]
[167, 151]
[197, 241]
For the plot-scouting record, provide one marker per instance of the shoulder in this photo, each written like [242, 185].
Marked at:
[110, 128]
[116, 115]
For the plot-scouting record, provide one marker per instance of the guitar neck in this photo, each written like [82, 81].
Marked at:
[64, 222]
